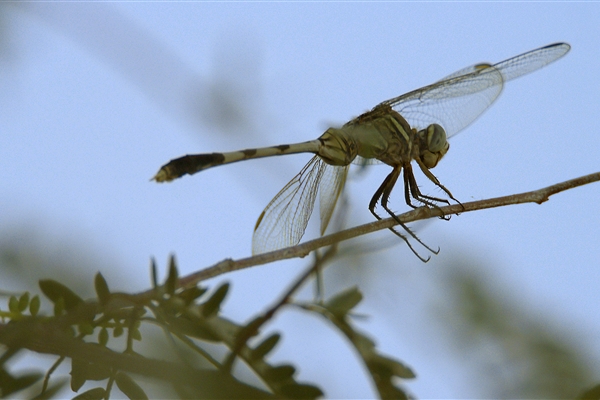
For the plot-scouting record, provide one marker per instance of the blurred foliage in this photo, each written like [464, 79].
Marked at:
[88, 333]
[26, 253]
[517, 353]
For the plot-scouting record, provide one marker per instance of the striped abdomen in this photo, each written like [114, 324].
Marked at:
[192, 163]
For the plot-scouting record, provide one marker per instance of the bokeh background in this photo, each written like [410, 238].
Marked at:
[95, 97]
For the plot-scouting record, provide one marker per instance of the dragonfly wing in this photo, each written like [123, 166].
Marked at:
[453, 103]
[457, 100]
[285, 218]
[531, 61]
[330, 189]
[520, 65]
[466, 71]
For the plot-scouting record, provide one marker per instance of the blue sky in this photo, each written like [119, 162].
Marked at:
[95, 97]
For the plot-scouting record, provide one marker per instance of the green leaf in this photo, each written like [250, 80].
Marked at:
[56, 291]
[85, 328]
[13, 305]
[173, 278]
[301, 391]
[92, 394]
[118, 331]
[101, 288]
[59, 306]
[343, 302]
[10, 384]
[34, 305]
[174, 305]
[23, 301]
[190, 294]
[590, 394]
[280, 372]
[103, 337]
[212, 305]
[135, 334]
[266, 346]
[393, 367]
[128, 386]
[194, 328]
[81, 371]
[154, 271]
[78, 374]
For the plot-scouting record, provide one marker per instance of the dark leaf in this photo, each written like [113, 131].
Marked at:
[102, 290]
[213, 304]
[591, 394]
[118, 331]
[59, 306]
[266, 346]
[85, 328]
[280, 373]
[190, 294]
[128, 386]
[301, 391]
[390, 367]
[343, 302]
[56, 291]
[154, 272]
[10, 384]
[135, 334]
[192, 328]
[103, 337]
[13, 305]
[173, 278]
[34, 305]
[78, 373]
[81, 371]
[92, 394]
[23, 301]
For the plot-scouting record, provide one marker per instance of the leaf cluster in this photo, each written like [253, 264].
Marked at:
[98, 336]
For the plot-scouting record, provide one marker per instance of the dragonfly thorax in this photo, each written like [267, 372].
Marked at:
[337, 147]
[433, 145]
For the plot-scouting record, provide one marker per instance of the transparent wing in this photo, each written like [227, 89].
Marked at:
[457, 100]
[331, 187]
[284, 220]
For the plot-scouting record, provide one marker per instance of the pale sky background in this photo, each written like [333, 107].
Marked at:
[95, 97]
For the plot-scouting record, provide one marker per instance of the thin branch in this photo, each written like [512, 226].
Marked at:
[537, 196]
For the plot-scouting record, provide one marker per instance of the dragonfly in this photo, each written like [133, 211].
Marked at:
[415, 127]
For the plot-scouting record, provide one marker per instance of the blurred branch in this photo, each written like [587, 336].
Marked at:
[132, 51]
[536, 196]
[43, 336]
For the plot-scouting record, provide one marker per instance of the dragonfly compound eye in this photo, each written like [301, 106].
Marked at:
[436, 139]
[433, 145]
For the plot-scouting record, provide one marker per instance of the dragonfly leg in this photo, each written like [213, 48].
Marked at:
[383, 193]
[379, 193]
[436, 181]
[407, 188]
[411, 183]
[411, 189]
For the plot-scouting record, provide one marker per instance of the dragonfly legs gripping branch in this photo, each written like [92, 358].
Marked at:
[415, 126]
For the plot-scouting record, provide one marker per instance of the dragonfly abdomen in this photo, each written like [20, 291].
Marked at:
[193, 163]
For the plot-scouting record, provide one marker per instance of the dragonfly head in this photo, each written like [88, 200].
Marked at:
[433, 145]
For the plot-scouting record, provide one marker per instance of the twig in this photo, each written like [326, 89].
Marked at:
[253, 328]
[537, 196]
